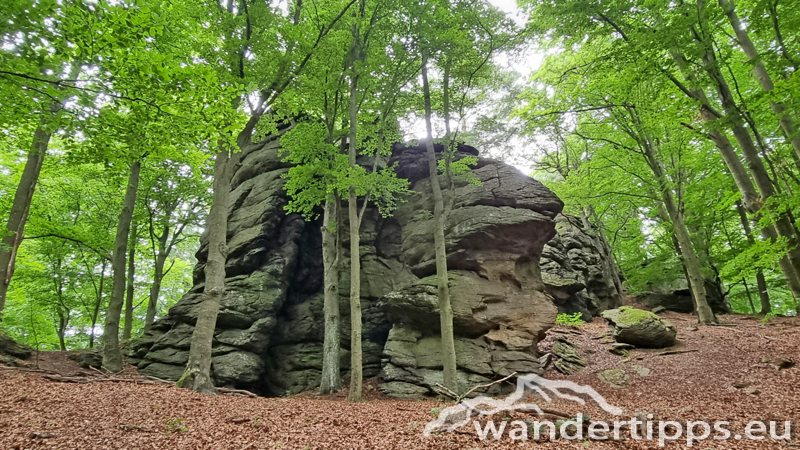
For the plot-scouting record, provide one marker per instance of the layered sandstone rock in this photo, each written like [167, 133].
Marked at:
[270, 327]
[576, 272]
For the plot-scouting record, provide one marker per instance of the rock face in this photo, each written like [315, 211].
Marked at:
[640, 328]
[270, 326]
[575, 272]
[11, 351]
[678, 297]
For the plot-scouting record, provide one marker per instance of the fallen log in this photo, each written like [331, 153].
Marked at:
[237, 392]
[675, 352]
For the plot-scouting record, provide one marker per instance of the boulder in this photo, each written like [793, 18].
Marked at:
[640, 328]
[88, 358]
[568, 361]
[14, 349]
[616, 378]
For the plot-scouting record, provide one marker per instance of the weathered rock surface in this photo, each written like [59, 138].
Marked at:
[575, 271]
[640, 328]
[88, 358]
[270, 327]
[677, 297]
[568, 360]
[13, 353]
[617, 378]
[13, 348]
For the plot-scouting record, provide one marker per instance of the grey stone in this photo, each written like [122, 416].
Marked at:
[13, 348]
[640, 328]
[236, 368]
[569, 359]
[622, 349]
[161, 370]
[88, 358]
[616, 378]
[400, 389]
[270, 325]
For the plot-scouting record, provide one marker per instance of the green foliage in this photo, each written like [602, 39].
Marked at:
[174, 425]
[570, 319]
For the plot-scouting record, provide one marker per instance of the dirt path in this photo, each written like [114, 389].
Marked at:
[688, 386]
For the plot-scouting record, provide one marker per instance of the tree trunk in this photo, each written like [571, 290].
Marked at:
[762, 283]
[736, 122]
[356, 374]
[445, 309]
[63, 322]
[112, 356]
[331, 380]
[677, 246]
[751, 199]
[18, 215]
[749, 297]
[197, 375]
[158, 276]
[98, 303]
[773, 15]
[129, 291]
[62, 310]
[761, 74]
[691, 263]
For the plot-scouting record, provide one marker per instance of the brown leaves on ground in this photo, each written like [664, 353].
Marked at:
[37, 414]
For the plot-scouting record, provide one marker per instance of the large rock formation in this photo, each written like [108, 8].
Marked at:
[269, 331]
[576, 272]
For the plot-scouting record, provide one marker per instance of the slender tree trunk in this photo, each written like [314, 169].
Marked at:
[720, 139]
[158, 276]
[63, 322]
[445, 308]
[773, 14]
[761, 282]
[761, 74]
[677, 246]
[356, 374]
[129, 289]
[615, 272]
[18, 215]
[331, 380]
[112, 356]
[446, 96]
[98, 303]
[736, 122]
[690, 260]
[197, 375]
[749, 297]
[750, 197]
[63, 312]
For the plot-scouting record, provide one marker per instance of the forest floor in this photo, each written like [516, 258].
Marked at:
[691, 386]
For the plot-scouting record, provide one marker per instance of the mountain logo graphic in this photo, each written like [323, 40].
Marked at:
[456, 416]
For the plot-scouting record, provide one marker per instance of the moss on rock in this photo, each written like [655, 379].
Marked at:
[640, 328]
